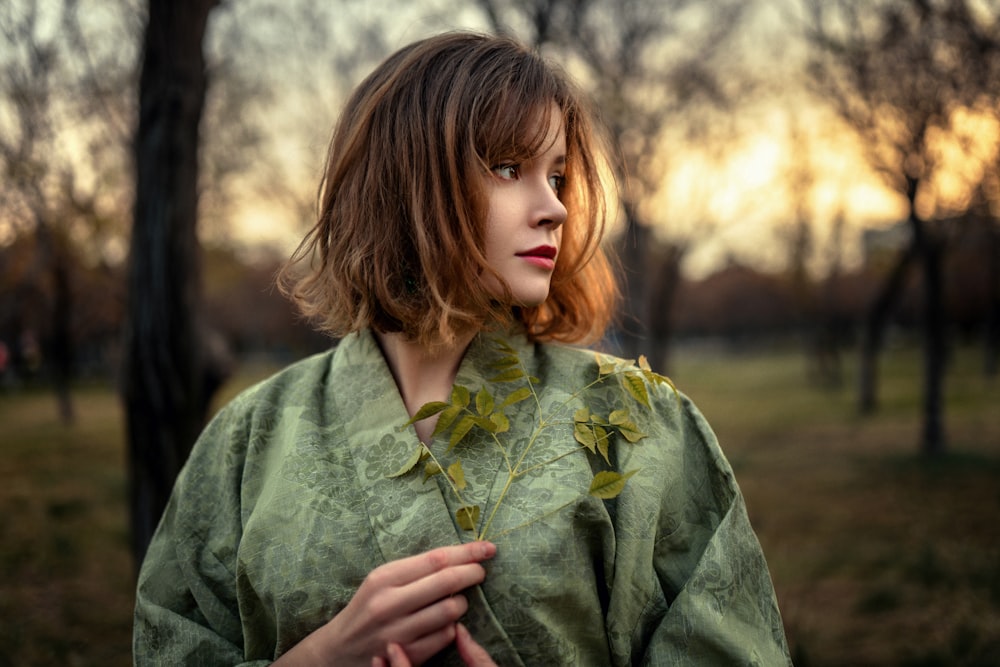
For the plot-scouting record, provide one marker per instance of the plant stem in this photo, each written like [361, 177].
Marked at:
[537, 518]
[521, 473]
[543, 423]
[444, 471]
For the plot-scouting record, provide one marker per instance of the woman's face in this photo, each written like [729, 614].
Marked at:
[524, 219]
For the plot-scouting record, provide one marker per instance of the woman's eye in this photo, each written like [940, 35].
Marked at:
[508, 172]
[557, 181]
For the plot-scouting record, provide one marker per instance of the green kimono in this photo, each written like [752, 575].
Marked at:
[291, 497]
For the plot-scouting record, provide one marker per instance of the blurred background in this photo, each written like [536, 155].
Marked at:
[808, 223]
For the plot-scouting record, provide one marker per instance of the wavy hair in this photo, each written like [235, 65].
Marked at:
[399, 241]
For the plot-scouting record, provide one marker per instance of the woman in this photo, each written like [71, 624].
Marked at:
[461, 215]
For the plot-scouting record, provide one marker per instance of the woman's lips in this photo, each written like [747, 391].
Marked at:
[543, 256]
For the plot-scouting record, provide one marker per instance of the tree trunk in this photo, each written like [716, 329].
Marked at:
[830, 322]
[665, 272]
[633, 326]
[873, 335]
[930, 248]
[57, 345]
[163, 387]
[991, 342]
[61, 344]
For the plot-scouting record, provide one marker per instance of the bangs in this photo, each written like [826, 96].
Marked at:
[399, 243]
[514, 123]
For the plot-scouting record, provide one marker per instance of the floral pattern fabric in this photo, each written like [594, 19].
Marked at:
[286, 504]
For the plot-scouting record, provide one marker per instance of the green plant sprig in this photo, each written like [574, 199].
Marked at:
[593, 433]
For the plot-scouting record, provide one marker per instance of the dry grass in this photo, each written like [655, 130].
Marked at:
[65, 572]
[878, 556]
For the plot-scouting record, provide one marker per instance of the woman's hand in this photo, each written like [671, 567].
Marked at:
[412, 602]
[472, 653]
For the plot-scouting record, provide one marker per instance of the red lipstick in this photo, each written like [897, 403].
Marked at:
[543, 256]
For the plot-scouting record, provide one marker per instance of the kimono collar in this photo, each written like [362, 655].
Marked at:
[408, 516]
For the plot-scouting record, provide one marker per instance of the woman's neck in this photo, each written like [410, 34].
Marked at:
[422, 374]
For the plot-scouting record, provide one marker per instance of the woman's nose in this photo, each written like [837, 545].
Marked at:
[551, 210]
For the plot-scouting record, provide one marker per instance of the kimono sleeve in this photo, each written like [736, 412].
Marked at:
[186, 606]
[718, 605]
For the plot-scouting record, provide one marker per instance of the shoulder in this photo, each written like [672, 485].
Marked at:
[291, 383]
[578, 367]
[258, 408]
[224, 451]
[678, 433]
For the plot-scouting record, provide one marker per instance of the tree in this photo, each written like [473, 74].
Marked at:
[898, 73]
[204, 155]
[62, 143]
[279, 72]
[986, 212]
[167, 379]
[651, 66]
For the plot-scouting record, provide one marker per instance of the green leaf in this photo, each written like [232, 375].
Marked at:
[636, 387]
[500, 422]
[604, 367]
[581, 415]
[516, 396]
[618, 417]
[427, 410]
[585, 436]
[508, 375]
[484, 402]
[430, 469]
[664, 380]
[608, 484]
[457, 475]
[657, 379]
[533, 380]
[504, 346]
[644, 363]
[467, 517]
[598, 419]
[464, 425]
[411, 462]
[631, 432]
[505, 362]
[460, 396]
[446, 419]
[603, 441]
[486, 424]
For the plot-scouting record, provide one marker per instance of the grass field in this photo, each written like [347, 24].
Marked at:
[878, 556]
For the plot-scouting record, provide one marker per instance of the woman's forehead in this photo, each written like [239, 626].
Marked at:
[536, 131]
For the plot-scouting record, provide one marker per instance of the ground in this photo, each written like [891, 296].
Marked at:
[878, 555]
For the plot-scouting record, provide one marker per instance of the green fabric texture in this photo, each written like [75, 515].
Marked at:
[286, 504]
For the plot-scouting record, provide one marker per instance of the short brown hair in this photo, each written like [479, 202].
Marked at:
[399, 241]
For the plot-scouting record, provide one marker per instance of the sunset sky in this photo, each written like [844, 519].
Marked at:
[733, 202]
[726, 199]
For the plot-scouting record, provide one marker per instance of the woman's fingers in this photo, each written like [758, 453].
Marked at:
[413, 602]
[424, 592]
[396, 656]
[407, 570]
[430, 618]
[423, 649]
[472, 653]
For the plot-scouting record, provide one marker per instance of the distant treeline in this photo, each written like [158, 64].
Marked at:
[245, 316]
